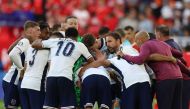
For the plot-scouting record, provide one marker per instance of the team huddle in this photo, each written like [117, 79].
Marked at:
[62, 70]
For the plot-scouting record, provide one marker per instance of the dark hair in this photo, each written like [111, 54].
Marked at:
[55, 27]
[103, 30]
[43, 25]
[88, 40]
[163, 29]
[152, 36]
[187, 48]
[120, 31]
[30, 24]
[114, 35]
[57, 34]
[129, 28]
[71, 32]
[69, 17]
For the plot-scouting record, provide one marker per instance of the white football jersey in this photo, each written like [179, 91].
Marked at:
[132, 73]
[22, 46]
[98, 71]
[129, 73]
[129, 50]
[64, 53]
[36, 68]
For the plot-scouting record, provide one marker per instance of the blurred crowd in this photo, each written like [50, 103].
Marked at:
[93, 14]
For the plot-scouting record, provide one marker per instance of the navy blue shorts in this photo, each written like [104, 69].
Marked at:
[115, 91]
[32, 99]
[137, 96]
[60, 93]
[11, 95]
[96, 88]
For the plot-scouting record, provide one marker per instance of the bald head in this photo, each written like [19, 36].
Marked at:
[142, 34]
[141, 37]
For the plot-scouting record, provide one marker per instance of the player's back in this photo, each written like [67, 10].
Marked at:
[131, 73]
[64, 53]
[96, 71]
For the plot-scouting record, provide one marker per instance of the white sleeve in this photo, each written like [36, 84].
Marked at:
[22, 45]
[84, 51]
[51, 42]
[15, 54]
[46, 43]
[15, 58]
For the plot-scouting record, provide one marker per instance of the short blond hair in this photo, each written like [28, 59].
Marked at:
[30, 24]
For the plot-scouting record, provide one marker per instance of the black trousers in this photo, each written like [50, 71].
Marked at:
[169, 94]
[186, 94]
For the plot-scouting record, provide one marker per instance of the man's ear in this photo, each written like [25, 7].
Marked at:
[119, 42]
[28, 32]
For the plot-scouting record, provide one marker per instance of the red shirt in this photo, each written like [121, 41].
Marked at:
[186, 56]
[135, 46]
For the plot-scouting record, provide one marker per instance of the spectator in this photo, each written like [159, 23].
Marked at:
[145, 23]
[82, 15]
[130, 19]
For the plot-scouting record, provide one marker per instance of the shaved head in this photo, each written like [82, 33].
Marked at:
[142, 34]
[141, 37]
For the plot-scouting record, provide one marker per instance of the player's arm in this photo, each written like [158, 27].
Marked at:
[90, 60]
[23, 71]
[15, 58]
[86, 53]
[14, 44]
[95, 64]
[101, 61]
[17, 51]
[41, 44]
[176, 53]
[37, 44]
[144, 54]
[159, 57]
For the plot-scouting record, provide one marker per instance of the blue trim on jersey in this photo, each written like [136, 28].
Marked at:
[22, 58]
[14, 76]
[43, 78]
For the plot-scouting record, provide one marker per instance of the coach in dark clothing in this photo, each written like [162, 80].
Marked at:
[168, 75]
[162, 33]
